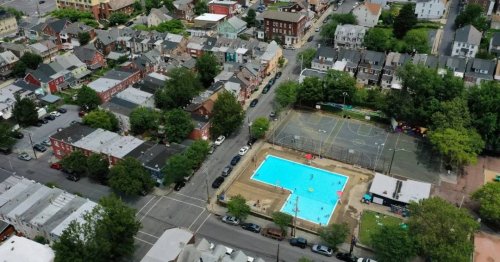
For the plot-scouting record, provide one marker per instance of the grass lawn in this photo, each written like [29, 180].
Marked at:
[274, 6]
[371, 222]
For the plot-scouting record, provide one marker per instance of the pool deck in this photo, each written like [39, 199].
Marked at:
[266, 199]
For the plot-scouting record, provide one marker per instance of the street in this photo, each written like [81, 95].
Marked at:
[449, 29]
[31, 7]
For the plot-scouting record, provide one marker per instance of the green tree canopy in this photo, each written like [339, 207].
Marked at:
[87, 98]
[416, 40]
[182, 86]
[489, 200]
[441, 231]
[306, 57]
[237, 206]
[459, 146]
[405, 20]
[200, 7]
[259, 127]
[208, 68]
[31, 60]
[473, 15]
[25, 111]
[286, 93]
[150, 4]
[227, 115]
[178, 125]
[143, 119]
[6, 140]
[172, 26]
[76, 162]
[177, 168]
[251, 18]
[118, 18]
[19, 69]
[378, 39]
[310, 91]
[72, 14]
[392, 243]
[282, 220]
[101, 119]
[129, 177]
[137, 6]
[452, 114]
[98, 167]
[336, 83]
[334, 234]
[197, 152]
[83, 38]
[106, 234]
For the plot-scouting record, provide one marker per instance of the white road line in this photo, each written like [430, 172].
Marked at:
[150, 209]
[202, 223]
[198, 217]
[142, 240]
[340, 129]
[195, 198]
[145, 205]
[184, 202]
[142, 232]
[380, 153]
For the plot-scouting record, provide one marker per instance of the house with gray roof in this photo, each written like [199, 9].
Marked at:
[479, 70]
[231, 27]
[351, 58]
[325, 58]
[370, 68]
[456, 65]
[183, 10]
[46, 49]
[90, 56]
[430, 61]
[7, 61]
[350, 36]
[287, 26]
[393, 62]
[158, 15]
[494, 47]
[467, 40]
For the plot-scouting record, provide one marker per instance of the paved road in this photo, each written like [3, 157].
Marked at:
[449, 29]
[31, 7]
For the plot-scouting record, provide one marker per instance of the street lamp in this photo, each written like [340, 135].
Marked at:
[321, 142]
[345, 94]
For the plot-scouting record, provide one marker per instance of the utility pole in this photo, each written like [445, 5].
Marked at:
[321, 142]
[31, 143]
[278, 254]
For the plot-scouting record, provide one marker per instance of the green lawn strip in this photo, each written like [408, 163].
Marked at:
[371, 223]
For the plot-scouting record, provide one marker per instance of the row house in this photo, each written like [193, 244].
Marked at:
[370, 67]
[479, 70]
[8, 96]
[351, 58]
[8, 24]
[393, 61]
[325, 58]
[72, 30]
[7, 61]
[47, 77]
[350, 36]
[100, 9]
[46, 49]
[183, 10]
[429, 61]
[467, 41]
[430, 9]
[288, 28]
[157, 16]
[55, 29]
[227, 8]
[456, 65]
[367, 14]
[231, 28]
[494, 45]
[17, 49]
[90, 56]
[113, 82]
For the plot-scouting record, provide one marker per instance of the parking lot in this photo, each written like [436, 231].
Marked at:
[31, 7]
[358, 143]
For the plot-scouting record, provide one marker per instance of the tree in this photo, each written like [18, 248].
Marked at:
[19, 69]
[87, 98]
[31, 60]
[460, 146]
[143, 119]
[41, 240]
[208, 68]
[259, 127]
[452, 114]
[237, 206]
[227, 115]
[83, 38]
[25, 111]
[90, 22]
[150, 4]
[72, 14]
[286, 93]
[441, 231]
[176, 169]
[251, 18]
[129, 177]
[392, 243]
[75, 162]
[178, 125]
[489, 199]
[344, 19]
[137, 6]
[338, 85]
[197, 152]
[172, 26]
[405, 20]
[282, 220]
[417, 41]
[106, 234]
[200, 7]
[6, 140]
[387, 17]
[378, 39]
[334, 234]
[98, 167]
[101, 119]
[328, 31]
[118, 18]
[182, 86]
[472, 15]
[310, 91]
[11, 10]
[305, 57]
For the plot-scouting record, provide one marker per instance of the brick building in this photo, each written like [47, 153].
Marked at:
[113, 82]
[100, 9]
[284, 26]
[228, 8]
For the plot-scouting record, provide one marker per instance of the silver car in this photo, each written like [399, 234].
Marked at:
[24, 156]
[323, 250]
[231, 220]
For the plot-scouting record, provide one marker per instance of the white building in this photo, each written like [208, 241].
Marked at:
[388, 190]
[350, 36]
[22, 249]
[467, 40]
[430, 9]
[367, 14]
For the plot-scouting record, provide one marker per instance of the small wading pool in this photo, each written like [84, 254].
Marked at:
[317, 190]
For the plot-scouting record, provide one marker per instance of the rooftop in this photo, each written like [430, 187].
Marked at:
[122, 146]
[17, 249]
[169, 245]
[135, 96]
[210, 17]
[73, 133]
[97, 140]
[283, 16]
[399, 190]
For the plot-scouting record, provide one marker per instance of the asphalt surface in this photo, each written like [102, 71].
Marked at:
[31, 7]
[449, 29]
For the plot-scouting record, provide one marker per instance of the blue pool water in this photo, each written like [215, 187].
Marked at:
[315, 188]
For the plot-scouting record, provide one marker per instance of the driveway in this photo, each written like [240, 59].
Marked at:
[449, 29]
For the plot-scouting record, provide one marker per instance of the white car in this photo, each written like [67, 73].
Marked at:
[219, 140]
[55, 113]
[317, 29]
[243, 150]
[365, 260]
[231, 220]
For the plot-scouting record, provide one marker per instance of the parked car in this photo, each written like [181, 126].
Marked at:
[251, 227]
[346, 257]
[39, 148]
[272, 115]
[243, 150]
[311, 38]
[55, 113]
[24, 156]
[129, 23]
[231, 220]
[62, 110]
[365, 260]
[235, 160]
[254, 102]
[49, 117]
[271, 82]
[82, 113]
[273, 233]
[217, 182]
[219, 140]
[73, 177]
[323, 250]
[179, 185]
[38, 123]
[17, 134]
[212, 149]
[56, 165]
[41, 2]
[278, 75]
[46, 142]
[227, 170]
[319, 28]
[251, 141]
[43, 121]
[265, 90]
[298, 242]
[74, 122]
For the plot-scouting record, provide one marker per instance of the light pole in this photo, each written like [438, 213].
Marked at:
[249, 129]
[321, 142]
[345, 94]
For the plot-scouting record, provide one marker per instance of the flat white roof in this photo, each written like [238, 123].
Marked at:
[169, 245]
[77, 215]
[55, 205]
[20, 249]
[158, 76]
[97, 140]
[339, 65]
[30, 201]
[134, 95]
[122, 146]
[103, 84]
[209, 17]
[411, 190]
[14, 191]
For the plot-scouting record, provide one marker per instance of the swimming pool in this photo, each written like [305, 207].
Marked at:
[316, 189]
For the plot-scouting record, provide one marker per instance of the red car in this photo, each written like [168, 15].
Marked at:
[56, 165]
[82, 113]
